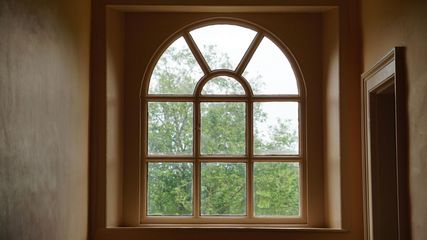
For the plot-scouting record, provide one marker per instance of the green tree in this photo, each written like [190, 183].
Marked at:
[223, 189]
[170, 128]
[170, 188]
[276, 186]
[223, 128]
[223, 186]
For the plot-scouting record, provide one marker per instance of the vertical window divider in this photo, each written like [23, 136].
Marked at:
[249, 153]
[249, 53]
[143, 165]
[196, 52]
[196, 161]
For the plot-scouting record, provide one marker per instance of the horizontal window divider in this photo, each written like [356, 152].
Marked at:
[258, 158]
[169, 159]
[169, 98]
[223, 159]
[221, 220]
[222, 156]
[222, 98]
[277, 158]
[276, 98]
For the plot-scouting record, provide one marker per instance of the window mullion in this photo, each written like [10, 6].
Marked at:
[249, 53]
[249, 151]
[197, 54]
[196, 153]
[144, 165]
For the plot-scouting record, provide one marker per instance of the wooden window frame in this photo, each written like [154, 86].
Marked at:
[197, 158]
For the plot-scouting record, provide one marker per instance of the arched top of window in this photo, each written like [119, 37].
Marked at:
[222, 98]
[223, 85]
[207, 52]
[176, 71]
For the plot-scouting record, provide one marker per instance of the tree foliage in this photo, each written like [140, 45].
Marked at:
[276, 186]
[223, 126]
[223, 189]
[170, 128]
[170, 188]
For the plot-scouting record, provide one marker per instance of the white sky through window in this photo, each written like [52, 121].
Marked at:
[226, 41]
[269, 71]
[278, 112]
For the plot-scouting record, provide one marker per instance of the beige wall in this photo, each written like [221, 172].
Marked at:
[114, 108]
[389, 23]
[44, 97]
[349, 137]
[331, 120]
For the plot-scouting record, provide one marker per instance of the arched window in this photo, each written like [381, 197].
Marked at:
[222, 133]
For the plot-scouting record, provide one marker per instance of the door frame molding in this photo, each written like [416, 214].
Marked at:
[389, 70]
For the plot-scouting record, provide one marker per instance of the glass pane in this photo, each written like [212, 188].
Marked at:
[170, 189]
[176, 72]
[269, 71]
[276, 128]
[223, 85]
[223, 187]
[276, 189]
[223, 128]
[223, 45]
[170, 128]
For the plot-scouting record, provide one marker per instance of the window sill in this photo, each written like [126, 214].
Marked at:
[225, 232]
[268, 227]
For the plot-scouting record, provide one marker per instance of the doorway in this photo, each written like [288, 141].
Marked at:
[385, 184]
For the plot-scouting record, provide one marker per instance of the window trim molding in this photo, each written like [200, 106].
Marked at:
[249, 98]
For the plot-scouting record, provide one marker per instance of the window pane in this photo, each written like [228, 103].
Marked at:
[276, 189]
[223, 128]
[223, 189]
[276, 128]
[223, 85]
[269, 71]
[176, 72]
[222, 45]
[170, 189]
[170, 128]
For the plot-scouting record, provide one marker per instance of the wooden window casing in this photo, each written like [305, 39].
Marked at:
[197, 158]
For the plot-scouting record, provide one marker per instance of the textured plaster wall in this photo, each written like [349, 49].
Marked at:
[331, 120]
[44, 106]
[389, 23]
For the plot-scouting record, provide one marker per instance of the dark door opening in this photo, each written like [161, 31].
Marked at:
[383, 163]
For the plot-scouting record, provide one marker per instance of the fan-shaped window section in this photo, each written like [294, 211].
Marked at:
[223, 45]
[223, 85]
[269, 71]
[176, 72]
